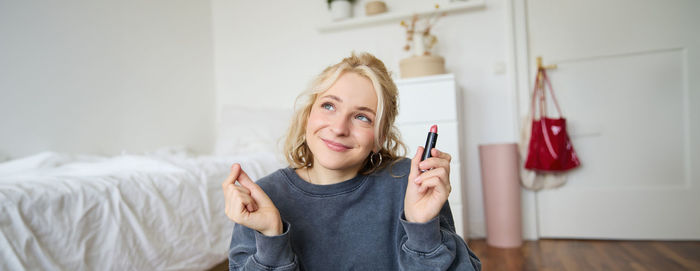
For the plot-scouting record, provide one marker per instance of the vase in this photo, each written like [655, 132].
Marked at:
[340, 10]
[501, 189]
[418, 44]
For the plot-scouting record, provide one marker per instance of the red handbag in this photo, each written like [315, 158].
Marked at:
[550, 148]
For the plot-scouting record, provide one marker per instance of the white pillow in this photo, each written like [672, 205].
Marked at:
[247, 130]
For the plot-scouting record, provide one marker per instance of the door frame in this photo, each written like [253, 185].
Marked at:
[519, 70]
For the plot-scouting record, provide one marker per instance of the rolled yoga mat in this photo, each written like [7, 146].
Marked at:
[501, 185]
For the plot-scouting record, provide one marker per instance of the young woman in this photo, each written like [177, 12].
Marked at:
[349, 200]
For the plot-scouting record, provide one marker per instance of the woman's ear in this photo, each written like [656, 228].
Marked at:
[377, 147]
[382, 142]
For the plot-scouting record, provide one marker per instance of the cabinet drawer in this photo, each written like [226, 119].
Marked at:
[459, 217]
[456, 183]
[430, 101]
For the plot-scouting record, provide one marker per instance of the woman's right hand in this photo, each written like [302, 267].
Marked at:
[248, 205]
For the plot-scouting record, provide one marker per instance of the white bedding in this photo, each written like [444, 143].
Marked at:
[160, 211]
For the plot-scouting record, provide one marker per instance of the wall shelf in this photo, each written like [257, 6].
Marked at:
[398, 16]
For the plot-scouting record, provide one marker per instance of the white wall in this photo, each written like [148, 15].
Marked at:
[85, 76]
[267, 51]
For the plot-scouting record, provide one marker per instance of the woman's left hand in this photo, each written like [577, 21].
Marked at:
[427, 191]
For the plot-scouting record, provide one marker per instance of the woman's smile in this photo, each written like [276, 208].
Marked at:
[335, 145]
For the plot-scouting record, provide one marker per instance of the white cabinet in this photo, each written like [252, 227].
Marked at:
[429, 100]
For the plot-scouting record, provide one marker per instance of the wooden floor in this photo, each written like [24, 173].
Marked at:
[590, 255]
[220, 267]
[562, 255]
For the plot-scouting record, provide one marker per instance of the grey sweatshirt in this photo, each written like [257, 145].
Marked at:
[357, 224]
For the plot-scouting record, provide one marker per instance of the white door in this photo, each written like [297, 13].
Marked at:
[628, 81]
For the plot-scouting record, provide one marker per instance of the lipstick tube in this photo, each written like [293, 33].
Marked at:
[430, 142]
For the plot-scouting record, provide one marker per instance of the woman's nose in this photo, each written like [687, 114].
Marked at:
[340, 126]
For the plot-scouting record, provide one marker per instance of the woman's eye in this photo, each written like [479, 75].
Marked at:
[328, 106]
[364, 118]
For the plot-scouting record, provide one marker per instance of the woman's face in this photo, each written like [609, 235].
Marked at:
[340, 128]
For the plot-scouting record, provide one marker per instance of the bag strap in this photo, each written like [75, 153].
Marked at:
[551, 91]
[540, 91]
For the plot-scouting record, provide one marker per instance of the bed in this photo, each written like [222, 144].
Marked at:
[160, 210]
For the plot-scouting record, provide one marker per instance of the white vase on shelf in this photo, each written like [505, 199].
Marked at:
[340, 10]
[418, 44]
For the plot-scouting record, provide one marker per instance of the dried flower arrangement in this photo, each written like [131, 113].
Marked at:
[421, 39]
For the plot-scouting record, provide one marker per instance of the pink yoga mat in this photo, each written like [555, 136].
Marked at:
[500, 181]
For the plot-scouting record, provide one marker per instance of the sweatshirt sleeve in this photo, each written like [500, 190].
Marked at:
[434, 245]
[252, 250]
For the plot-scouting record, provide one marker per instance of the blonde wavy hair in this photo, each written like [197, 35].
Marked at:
[387, 137]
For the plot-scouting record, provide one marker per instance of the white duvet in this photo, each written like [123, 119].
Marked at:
[161, 211]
